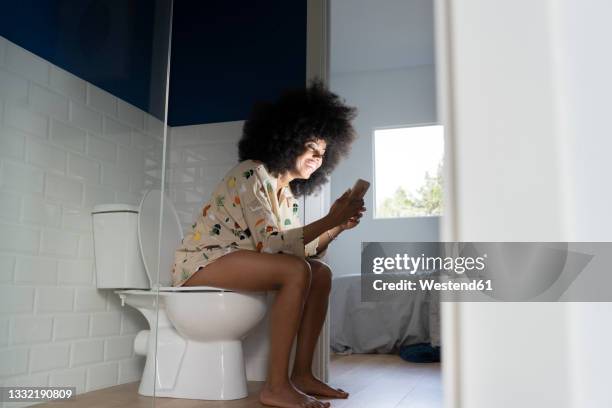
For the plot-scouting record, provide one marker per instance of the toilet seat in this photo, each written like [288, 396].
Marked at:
[175, 289]
[192, 289]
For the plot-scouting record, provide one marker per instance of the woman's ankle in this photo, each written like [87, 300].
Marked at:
[278, 384]
[302, 373]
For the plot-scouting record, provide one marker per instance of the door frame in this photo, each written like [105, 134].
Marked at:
[449, 229]
[316, 205]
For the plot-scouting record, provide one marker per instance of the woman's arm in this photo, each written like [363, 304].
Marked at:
[327, 237]
[318, 229]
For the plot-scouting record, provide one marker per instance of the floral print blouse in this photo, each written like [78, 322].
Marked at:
[243, 212]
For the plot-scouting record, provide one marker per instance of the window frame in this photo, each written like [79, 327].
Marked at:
[373, 150]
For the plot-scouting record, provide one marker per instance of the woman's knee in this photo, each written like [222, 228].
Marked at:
[297, 272]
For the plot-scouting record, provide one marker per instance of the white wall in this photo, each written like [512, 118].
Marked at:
[65, 145]
[508, 184]
[529, 164]
[381, 61]
[386, 98]
[585, 88]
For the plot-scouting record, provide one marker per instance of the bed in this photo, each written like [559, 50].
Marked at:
[380, 327]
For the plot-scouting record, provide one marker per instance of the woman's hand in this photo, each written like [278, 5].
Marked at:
[353, 221]
[346, 211]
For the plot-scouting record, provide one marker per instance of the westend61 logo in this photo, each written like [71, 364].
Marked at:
[486, 271]
[413, 264]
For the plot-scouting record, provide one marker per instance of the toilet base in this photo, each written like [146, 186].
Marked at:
[208, 371]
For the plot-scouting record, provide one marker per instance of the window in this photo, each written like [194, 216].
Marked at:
[408, 171]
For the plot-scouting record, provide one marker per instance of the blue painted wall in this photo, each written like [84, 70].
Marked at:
[226, 54]
[106, 42]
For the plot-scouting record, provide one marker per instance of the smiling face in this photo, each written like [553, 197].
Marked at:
[312, 158]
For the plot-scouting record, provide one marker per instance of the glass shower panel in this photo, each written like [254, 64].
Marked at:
[83, 94]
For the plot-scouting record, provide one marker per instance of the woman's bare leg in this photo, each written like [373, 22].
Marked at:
[313, 318]
[290, 275]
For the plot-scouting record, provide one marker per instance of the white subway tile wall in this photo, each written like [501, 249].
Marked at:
[26, 64]
[101, 149]
[102, 100]
[65, 145]
[198, 158]
[18, 115]
[12, 143]
[68, 84]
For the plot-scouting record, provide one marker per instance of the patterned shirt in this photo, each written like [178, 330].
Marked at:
[243, 212]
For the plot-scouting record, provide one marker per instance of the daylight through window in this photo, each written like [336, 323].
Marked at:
[408, 171]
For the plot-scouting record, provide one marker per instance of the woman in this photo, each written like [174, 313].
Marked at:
[248, 236]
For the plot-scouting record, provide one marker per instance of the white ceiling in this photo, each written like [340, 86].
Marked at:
[372, 35]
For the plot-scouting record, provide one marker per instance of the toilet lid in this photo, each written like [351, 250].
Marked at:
[158, 254]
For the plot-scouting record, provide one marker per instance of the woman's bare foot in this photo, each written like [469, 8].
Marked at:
[288, 397]
[312, 386]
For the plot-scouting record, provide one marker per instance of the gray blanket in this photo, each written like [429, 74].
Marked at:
[381, 327]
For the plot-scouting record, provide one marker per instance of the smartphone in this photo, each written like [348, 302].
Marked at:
[360, 188]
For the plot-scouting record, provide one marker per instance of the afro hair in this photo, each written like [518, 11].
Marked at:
[276, 132]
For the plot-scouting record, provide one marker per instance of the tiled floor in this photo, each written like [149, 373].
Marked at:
[373, 380]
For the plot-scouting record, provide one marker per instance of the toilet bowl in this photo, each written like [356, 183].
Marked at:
[193, 347]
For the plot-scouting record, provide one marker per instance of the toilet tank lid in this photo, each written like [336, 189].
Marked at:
[106, 208]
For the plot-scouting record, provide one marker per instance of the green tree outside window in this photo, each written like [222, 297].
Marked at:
[426, 201]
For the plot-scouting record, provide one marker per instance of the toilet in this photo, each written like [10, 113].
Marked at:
[193, 347]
